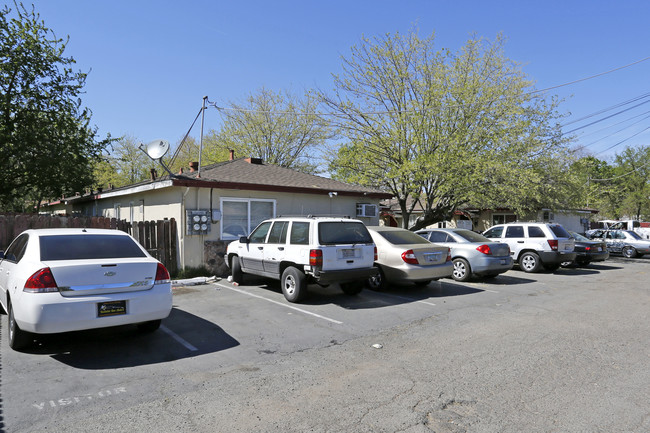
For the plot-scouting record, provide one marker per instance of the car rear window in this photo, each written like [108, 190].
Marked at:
[559, 231]
[471, 236]
[403, 237]
[343, 232]
[88, 246]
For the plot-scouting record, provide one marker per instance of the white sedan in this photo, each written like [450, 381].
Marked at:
[60, 280]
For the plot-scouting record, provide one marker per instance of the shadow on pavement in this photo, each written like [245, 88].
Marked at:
[181, 335]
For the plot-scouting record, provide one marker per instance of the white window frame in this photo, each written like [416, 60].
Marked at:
[248, 202]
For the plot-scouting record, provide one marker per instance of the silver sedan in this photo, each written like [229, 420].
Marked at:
[625, 242]
[471, 253]
[404, 257]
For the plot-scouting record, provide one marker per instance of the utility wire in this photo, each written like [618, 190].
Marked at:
[622, 175]
[243, 110]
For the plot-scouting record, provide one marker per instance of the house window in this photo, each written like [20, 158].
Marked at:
[503, 219]
[240, 216]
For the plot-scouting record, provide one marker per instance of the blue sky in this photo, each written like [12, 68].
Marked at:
[151, 62]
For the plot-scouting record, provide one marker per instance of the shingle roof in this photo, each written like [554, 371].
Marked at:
[253, 172]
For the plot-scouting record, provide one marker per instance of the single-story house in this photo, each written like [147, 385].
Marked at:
[476, 219]
[215, 204]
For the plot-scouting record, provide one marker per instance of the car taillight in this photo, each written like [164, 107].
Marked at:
[485, 249]
[409, 257]
[42, 281]
[316, 258]
[553, 244]
[448, 255]
[375, 253]
[162, 275]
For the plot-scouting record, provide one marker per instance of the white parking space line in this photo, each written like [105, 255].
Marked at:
[280, 303]
[178, 338]
[405, 298]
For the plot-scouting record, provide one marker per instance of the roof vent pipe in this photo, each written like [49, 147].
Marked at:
[194, 166]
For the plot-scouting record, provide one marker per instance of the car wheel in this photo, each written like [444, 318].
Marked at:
[378, 282]
[629, 252]
[529, 262]
[462, 271]
[353, 288]
[150, 326]
[18, 339]
[294, 284]
[237, 274]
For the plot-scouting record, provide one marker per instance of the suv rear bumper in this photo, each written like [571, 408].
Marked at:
[345, 275]
[556, 257]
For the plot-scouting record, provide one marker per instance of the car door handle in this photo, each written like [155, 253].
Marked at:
[281, 248]
[260, 248]
[520, 242]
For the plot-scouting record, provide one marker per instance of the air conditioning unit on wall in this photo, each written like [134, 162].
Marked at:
[366, 210]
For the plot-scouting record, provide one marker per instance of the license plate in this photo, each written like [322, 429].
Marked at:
[347, 253]
[431, 257]
[503, 261]
[599, 249]
[111, 308]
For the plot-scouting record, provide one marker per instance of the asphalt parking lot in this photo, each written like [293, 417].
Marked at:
[448, 358]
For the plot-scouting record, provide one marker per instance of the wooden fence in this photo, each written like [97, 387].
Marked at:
[157, 237]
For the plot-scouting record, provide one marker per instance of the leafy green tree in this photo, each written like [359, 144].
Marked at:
[595, 185]
[633, 166]
[47, 143]
[124, 165]
[281, 128]
[444, 129]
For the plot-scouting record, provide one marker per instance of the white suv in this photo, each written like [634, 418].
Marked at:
[300, 250]
[535, 245]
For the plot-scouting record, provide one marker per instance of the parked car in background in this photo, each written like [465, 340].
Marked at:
[587, 251]
[59, 280]
[535, 245]
[471, 253]
[625, 242]
[404, 257]
[302, 250]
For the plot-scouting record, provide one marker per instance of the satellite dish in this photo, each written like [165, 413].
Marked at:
[157, 149]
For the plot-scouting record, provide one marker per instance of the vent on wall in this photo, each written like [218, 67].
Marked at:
[366, 210]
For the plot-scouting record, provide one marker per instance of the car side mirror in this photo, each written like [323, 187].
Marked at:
[243, 239]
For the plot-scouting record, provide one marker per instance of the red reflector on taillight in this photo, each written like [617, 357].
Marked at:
[553, 244]
[409, 257]
[315, 257]
[485, 249]
[162, 275]
[42, 281]
[375, 253]
[448, 255]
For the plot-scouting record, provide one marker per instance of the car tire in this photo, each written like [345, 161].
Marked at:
[18, 339]
[629, 252]
[236, 272]
[529, 262]
[150, 326]
[353, 288]
[294, 284]
[462, 271]
[378, 282]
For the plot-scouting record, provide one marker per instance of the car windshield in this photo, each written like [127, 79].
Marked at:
[471, 236]
[559, 231]
[343, 232]
[635, 235]
[578, 236]
[402, 237]
[88, 246]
